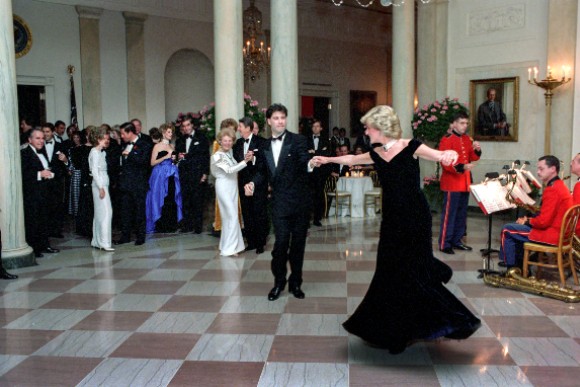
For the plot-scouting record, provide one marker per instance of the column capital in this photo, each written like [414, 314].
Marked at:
[135, 17]
[89, 12]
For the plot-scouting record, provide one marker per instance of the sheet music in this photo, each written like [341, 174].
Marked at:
[491, 196]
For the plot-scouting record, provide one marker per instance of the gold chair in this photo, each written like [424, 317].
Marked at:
[330, 191]
[563, 250]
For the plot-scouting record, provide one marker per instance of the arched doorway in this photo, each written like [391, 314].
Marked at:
[189, 83]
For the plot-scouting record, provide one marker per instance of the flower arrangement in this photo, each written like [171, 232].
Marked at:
[431, 122]
[251, 109]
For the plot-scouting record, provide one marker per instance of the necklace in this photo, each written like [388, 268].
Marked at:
[387, 147]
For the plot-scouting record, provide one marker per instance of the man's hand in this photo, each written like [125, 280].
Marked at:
[249, 189]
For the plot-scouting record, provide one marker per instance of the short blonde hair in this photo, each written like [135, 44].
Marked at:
[226, 132]
[383, 118]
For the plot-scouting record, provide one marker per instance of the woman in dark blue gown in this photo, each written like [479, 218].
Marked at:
[406, 300]
[163, 205]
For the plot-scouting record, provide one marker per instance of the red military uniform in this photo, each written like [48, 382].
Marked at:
[556, 200]
[454, 178]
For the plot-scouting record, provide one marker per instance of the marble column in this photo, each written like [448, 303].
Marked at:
[15, 251]
[90, 65]
[284, 24]
[229, 71]
[403, 60]
[562, 24]
[134, 28]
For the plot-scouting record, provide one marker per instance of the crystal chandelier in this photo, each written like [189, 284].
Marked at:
[256, 55]
[384, 3]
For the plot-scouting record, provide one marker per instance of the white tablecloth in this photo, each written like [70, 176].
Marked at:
[357, 186]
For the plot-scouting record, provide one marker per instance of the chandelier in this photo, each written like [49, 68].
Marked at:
[384, 3]
[256, 55]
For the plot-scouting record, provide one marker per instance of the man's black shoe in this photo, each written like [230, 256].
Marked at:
[317, 223]
[275, 293]
[5, 275]
[447, 250]
[461, 246]
[50, 250]
[121, 241]
[297, 292]
[260, 250]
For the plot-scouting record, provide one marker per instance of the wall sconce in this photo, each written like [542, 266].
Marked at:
[548, 84]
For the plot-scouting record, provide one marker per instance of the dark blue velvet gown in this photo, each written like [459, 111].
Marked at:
[163, 205]
[406, 300]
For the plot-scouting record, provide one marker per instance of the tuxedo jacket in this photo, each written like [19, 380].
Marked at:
[289, 179]
[196, 161]
[257, 145]
[134, 171]
[35, 190]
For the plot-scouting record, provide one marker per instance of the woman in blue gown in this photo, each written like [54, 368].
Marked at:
[163, 205]
[406, 300]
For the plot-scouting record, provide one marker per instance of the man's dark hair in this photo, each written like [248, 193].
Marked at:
[48, 125]
[128, 127]
[247, 121]
[276, 107]
[459, 115]
[551, 161]
[58, 123]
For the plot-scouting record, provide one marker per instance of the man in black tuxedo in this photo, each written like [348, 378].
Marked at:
[133, 184]
[36, 179]
[193, 153]
[340, 170]
[56, 186]
[138, 129]
[318, 145]
[286, 168]
[254, 208]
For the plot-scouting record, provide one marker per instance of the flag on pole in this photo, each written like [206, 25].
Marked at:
[73, 100]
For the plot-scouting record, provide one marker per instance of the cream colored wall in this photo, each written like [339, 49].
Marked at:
[496, 39]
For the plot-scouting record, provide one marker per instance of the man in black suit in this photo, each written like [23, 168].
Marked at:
[254, 208]
[193, 152]
[56, 186]
[133, 184]
[318, 145]
[340, 170]
[287, 164]
[138, 129]
[36, 176]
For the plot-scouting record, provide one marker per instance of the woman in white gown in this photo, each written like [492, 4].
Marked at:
[103, 214]
[225, 170]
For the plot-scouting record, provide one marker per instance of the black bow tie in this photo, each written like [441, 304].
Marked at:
[280, 137]
[48, 142]
[247, 140]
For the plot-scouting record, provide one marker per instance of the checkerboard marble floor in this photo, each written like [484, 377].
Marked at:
[173, 312]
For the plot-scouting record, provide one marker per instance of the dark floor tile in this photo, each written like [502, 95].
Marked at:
[309, 349]
[211, 304]
[102, 320]
[214, 373]
[245, 323]
[24, 341]
[157, 346]
[49, 371]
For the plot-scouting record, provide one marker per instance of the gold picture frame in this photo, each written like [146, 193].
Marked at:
[494, 119]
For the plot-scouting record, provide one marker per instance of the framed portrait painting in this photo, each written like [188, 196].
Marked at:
[494, 109]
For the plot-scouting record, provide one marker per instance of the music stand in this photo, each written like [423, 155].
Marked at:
[488, 251]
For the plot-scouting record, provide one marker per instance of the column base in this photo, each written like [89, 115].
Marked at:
[14, 259]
